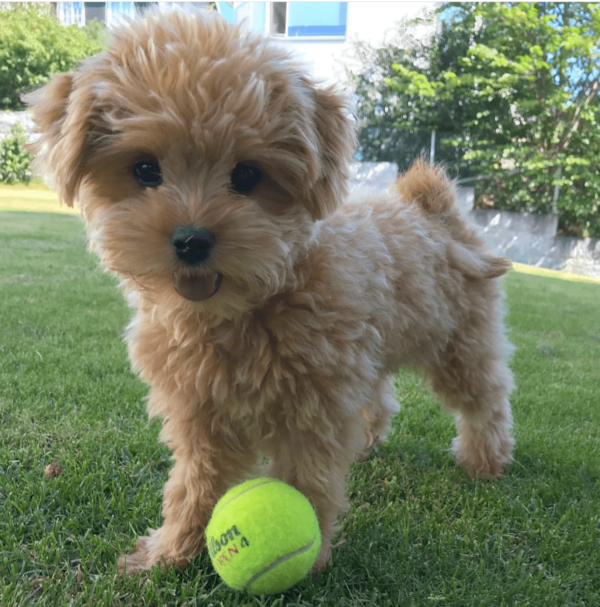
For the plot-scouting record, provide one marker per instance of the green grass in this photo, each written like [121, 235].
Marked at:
[419, 531]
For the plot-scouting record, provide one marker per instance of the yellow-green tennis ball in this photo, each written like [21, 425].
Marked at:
[263, 536]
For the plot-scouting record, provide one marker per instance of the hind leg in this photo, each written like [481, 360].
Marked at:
[378, 413]
[474, 381]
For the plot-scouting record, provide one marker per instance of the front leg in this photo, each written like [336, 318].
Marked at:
[206, 465]
[317, 464]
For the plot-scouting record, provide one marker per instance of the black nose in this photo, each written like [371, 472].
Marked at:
[192, 245]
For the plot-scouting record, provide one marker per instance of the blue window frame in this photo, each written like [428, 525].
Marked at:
[317, 18]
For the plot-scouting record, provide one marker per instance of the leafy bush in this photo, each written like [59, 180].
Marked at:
[512, 91]
[14, 159]
[34, 46]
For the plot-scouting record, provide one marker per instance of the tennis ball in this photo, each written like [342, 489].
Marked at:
[263, 536]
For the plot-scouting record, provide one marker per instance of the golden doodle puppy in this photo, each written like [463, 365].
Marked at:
[270, 313]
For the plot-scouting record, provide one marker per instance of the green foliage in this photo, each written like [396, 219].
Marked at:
[512, 90]
[34, 47]
[14, 159]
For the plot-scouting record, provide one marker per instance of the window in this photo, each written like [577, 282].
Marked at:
[252, 13]
[95, 10]
[227, 11]
[316, 18]
[70, 13]
[116, 10]
[278, 18]
[289, 19]
[308, 18]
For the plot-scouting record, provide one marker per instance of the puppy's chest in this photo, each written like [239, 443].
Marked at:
[267, 367]
[256, 370]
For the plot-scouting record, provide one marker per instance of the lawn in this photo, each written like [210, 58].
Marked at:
[419, 531]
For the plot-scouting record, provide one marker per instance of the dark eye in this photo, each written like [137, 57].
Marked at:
[244, 178]
[147, 174]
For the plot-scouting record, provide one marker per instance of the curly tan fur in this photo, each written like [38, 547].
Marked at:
[322, 300]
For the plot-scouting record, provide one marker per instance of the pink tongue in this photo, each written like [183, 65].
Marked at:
[197, 287]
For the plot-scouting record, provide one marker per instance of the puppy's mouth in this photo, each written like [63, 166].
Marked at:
[197, 287]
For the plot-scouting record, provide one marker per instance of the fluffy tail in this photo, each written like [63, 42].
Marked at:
[429, 187]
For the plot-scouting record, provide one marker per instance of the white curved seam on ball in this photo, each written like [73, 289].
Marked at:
[280, 560]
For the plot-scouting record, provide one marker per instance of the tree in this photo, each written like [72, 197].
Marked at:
[514, 88]
[34, 47]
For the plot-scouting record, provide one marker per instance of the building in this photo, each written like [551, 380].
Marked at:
[322, 34]
[80, 13]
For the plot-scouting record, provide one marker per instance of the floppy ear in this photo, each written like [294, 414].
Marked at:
[335, 138]
[61, 114]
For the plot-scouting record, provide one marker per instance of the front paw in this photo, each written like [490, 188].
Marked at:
[148, 552]
[138, 560]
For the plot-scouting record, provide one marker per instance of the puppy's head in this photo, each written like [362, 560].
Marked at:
[200, 157]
